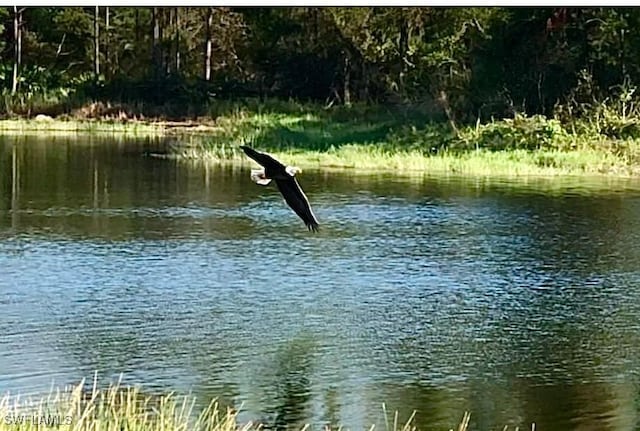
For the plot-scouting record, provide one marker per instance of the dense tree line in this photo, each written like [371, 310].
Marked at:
[467, 62]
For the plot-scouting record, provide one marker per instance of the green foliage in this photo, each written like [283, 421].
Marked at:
[429, 138]
[5, 74]
[522, 132]
[612, 114]
[465, 64]
[4, 19]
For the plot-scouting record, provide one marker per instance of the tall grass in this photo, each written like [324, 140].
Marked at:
[118, 408]
[115, 408]
[522, 146]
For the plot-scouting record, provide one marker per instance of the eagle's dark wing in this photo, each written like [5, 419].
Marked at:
[297, 200]
[263, 159]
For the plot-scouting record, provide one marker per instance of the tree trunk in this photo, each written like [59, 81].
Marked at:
[365, 80]
[17, 50]
[155, 61]
[177, 41]
[165, 53]
[403, 48]
[623, 66]
[208, 45]
[444, 102]
[106, 44]
[347, 79]
[96, 43]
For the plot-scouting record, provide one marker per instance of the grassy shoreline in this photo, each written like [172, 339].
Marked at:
[58, 126]
[372, 141]
[87, 407]
[481, 163]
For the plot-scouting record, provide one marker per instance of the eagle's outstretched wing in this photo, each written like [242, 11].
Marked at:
[297, 200]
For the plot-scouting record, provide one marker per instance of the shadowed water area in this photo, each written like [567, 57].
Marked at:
[518, 301]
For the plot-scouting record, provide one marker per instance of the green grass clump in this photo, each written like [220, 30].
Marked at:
[521, 133]
[387, 141]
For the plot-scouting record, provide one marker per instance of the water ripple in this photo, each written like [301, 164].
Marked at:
[435, 294]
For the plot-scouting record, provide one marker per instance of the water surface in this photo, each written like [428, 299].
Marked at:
[517, 301]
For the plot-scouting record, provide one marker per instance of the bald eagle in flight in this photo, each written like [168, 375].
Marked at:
[285, 179]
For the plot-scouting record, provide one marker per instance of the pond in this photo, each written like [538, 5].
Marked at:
[515, 300]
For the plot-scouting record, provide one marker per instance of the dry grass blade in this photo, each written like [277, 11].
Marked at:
[464, 423]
